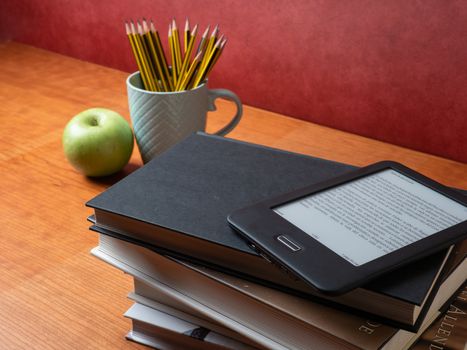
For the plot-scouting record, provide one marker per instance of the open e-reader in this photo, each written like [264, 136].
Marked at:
[341, 233]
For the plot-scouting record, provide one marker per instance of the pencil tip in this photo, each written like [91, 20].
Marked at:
[219, 41]
[215, 31]
[206, 32]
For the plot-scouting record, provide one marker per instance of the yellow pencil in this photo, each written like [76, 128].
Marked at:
[203, 68]
[203, 42]
[143, 47]
[216, 57]
[145, 71]
[186, 36]
[147, 40]
[186, 60]
[160, 52]
[146, 56]
[176, 44]
[155, 60]
[136, 55]
[209, 46]
[184, 83]
[172, 54]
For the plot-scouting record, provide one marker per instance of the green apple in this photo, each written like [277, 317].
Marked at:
[98, 142]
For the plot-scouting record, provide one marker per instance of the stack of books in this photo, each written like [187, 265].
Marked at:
[199, 285]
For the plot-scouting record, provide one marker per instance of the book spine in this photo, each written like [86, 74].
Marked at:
[449, 332]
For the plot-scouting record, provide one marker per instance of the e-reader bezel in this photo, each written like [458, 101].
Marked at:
[317, 264]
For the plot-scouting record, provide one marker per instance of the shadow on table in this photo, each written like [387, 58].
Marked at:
[112, 179]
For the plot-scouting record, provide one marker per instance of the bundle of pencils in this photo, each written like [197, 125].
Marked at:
[189, 67]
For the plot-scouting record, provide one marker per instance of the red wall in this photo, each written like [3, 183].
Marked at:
[392, 70]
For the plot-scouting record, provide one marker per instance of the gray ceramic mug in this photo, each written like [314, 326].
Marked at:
[162, 119]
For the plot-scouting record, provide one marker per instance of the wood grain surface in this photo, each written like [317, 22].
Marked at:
[53, 294]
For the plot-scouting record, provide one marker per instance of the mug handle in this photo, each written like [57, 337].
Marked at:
[228, 95]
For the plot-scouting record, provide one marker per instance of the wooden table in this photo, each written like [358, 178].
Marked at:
[53, 294]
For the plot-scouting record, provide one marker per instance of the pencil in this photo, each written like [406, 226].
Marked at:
[172, 54]
[186, 60]
[202, 72]
[146, 57]
[210, 44]
[202, 44]
[155, 60]
[216, 57]
[186, 36]
[136, 55]
[145, 70]
[189, 75]
[176, 44]
[161, 54]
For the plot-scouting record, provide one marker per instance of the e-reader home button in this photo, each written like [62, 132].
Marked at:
[288, 243]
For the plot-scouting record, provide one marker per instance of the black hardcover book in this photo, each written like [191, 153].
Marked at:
[178, 203]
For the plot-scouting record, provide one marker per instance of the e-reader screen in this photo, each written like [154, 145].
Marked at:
[372, 216]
